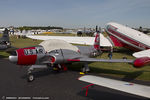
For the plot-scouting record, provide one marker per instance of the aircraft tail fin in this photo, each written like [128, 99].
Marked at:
[5, 37]
[97, 40]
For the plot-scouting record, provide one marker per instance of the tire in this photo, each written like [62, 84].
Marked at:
[83, 69]
[30, 78]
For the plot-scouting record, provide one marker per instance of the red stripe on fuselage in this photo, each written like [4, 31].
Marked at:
[73, 60]
[25, 59]
[130, 40]
[116, 41]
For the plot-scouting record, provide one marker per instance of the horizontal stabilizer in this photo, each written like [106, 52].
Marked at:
[136, 89]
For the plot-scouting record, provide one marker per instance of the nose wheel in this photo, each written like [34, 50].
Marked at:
[30, 77]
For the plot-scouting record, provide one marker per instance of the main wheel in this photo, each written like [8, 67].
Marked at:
[83, 69]
[30, 78]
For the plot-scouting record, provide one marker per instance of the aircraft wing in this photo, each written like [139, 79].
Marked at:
[74, 39]
[144, 53]
[102, 60]
[136, 89]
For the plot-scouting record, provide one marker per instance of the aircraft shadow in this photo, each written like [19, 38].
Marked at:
[42, 73]
[123, 51]
[128, 76]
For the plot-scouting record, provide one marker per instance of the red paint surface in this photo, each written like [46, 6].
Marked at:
[87, 87]
[130, 40]
[73, 59]
[53, 59]
[116, 41]
[140, 62]
[96, 42]
[25, 59]
[64, 67]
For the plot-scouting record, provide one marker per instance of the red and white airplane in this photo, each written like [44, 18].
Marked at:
[123, 36]
[56, 53]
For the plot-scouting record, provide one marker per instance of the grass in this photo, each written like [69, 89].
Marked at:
[122, 70]
[3, 54]
[23, 42]
[18, 43]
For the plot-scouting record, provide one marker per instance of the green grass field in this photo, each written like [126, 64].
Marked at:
[20, 43]
[122, 70]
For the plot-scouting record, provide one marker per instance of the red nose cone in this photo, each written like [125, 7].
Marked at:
[140, 62]
[53, 59]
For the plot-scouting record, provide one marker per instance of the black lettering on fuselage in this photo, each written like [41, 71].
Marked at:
[33, 51]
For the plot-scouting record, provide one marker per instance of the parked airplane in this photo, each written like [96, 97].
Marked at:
[85, 32]
[56, 53]
[132, 88]
[123, 36]
[4, 40]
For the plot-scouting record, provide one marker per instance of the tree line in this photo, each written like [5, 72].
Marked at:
[39, 27]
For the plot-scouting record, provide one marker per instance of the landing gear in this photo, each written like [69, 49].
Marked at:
[85, 68]
[60, 67]
[30, 76]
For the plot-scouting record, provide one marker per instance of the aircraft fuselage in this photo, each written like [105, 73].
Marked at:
[124, 36]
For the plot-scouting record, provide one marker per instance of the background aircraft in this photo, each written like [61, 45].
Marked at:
[4, 40]
[123, 36]
[56, 53]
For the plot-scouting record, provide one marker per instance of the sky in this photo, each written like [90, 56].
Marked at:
[74, 13]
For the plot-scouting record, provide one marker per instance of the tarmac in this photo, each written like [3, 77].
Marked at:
[50, 85]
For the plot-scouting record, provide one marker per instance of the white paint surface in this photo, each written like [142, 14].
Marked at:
[76, 40]
[127, 87]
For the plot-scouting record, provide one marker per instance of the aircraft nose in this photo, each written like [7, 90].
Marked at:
[13, 59]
